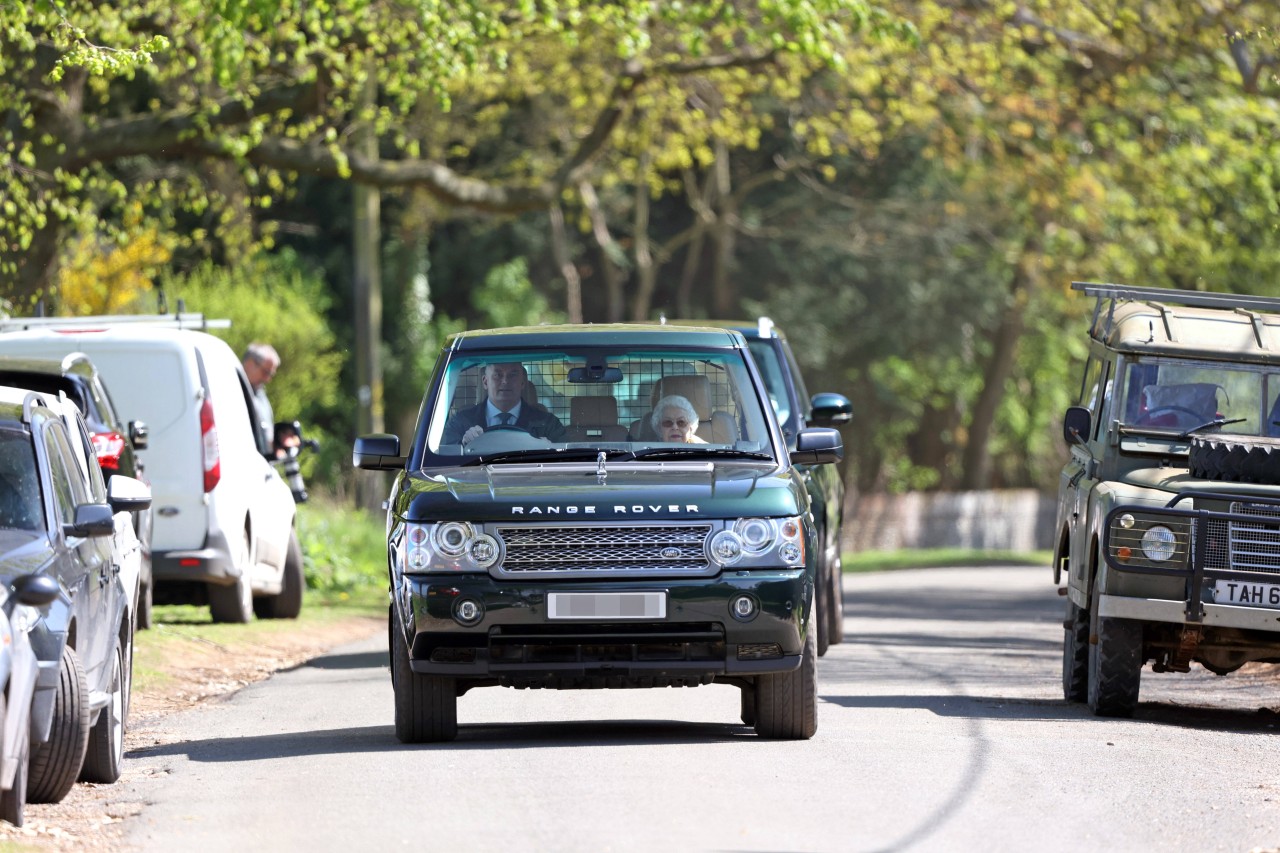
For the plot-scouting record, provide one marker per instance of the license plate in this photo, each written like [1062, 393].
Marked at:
[1247, 593]
[607, 605]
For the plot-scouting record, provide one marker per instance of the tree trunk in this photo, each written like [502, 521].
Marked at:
[367, 224]
[646, 271]
[976, 466]
[723, 290]
[564, 260]
[615, 306]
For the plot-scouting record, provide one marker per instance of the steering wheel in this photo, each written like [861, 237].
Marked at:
[1156, 412]
[505, 428]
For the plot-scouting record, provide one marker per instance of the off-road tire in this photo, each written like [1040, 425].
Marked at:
[1075, 654]
[786, 703]
[1235, 458]
[13, 802]
[426, 705]
[1115, 667]
[288, 603]
[56, 763]
[106, 739]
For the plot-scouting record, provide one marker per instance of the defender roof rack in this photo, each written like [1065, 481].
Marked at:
[165, 321]
[1159, 297]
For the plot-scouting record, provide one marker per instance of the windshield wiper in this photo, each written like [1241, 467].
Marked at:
[728, 453]
[562, 454]
[1218, 422]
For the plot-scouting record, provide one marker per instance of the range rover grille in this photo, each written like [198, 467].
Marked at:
[598, 550]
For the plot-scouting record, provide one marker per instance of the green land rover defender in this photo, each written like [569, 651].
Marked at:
[609, 506]
[1168, 519]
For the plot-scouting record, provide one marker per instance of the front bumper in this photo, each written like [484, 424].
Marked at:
[514, 641]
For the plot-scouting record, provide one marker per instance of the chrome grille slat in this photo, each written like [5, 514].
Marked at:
[1255, 546]
[603, 550]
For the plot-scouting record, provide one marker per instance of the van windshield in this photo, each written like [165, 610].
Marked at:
[575, 403]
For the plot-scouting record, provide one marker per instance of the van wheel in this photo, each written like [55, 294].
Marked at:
[56, 763]
[106, 738]
[786, 703]
[288, 604]
[426, 705]
[13, 801]
[234, 603]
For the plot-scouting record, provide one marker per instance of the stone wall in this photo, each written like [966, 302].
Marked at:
[1005, 520]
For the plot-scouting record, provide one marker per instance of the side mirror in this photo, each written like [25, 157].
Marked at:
[125, 494]
[92, 520]
[35, 590]
[138, 434]
[377, 452]
[817, 446]
[1077, 425]
[829, 410]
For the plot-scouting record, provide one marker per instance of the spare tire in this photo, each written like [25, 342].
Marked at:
[1235, 458]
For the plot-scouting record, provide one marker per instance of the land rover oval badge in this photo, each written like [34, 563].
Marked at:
[670, 553]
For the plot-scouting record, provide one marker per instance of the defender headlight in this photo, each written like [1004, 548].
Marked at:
[1158, 543]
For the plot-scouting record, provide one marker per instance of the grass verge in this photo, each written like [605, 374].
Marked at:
[931, 558]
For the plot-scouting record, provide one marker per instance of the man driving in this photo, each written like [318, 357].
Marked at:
[503, 406]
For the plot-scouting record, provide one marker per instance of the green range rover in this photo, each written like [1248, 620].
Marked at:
[1168, 520]
[607, 506]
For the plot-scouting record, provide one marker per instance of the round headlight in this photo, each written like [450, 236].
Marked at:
[1158, 544]
[484, 551]
[451, 538]
[756, 533]
[726, 548]
[1126, 521]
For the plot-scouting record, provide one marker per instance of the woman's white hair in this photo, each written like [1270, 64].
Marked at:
[674, 401]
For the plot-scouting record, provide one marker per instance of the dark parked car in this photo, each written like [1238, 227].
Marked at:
[52, 522]
[114, 442]
[641, 522]
[796, 410]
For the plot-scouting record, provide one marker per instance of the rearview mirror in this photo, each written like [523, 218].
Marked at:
[595, 373]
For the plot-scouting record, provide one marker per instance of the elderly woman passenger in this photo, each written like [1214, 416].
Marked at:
[675, 420]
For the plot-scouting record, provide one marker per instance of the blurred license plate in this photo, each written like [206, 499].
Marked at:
[1248, 594]
[607, 605]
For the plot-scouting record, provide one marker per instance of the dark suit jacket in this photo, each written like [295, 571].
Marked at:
[535, 421]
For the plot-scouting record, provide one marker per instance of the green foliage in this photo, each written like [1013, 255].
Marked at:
[344, 550]
[508, 298]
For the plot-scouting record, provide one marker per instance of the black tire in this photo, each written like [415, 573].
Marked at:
[835, 631]
[426, 705]
[13, 801]
[232, 603]
[105, 752]
[820, 619]
[146, 600]
[1115, 667]
[1235, 458]
[56, 763]
[1075, 654]
[786, 703]
[288, 603]
[748, 699]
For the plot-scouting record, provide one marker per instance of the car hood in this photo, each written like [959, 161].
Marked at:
[23, 552]
[1176, 480]
[576, 492]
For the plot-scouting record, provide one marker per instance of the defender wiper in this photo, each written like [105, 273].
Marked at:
[1219, 422]
[725, 453]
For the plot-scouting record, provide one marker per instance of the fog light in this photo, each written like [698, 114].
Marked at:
[1126, 521]
[743, 607]
[468, 612]
[791, 554]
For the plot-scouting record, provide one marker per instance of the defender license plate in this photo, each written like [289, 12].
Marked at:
[607, 605]
[1246, 593]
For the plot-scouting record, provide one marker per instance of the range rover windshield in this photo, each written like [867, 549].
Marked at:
[572, 404]
[1180, 397]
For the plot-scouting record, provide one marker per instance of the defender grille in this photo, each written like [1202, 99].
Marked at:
[581, 551]
[1251, 546]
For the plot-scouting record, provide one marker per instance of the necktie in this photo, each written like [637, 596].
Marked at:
[504, 418]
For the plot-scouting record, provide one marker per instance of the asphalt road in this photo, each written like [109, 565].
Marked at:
[941, 727]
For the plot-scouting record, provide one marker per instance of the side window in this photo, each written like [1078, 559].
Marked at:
[68, 490]
[20, 505]
[1089, 388]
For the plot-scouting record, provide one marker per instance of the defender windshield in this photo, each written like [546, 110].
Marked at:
[1166, 395]
[571, 404]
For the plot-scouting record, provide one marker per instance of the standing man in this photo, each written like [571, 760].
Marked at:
[503, 406]
[260, 362]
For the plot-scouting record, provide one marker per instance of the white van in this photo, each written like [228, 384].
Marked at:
[224, 517]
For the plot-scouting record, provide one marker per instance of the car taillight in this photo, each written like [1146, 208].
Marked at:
[209, 445]
[108, 446]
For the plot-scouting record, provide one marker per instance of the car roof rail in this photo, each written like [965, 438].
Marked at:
[181, 320]
[1159, 297]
